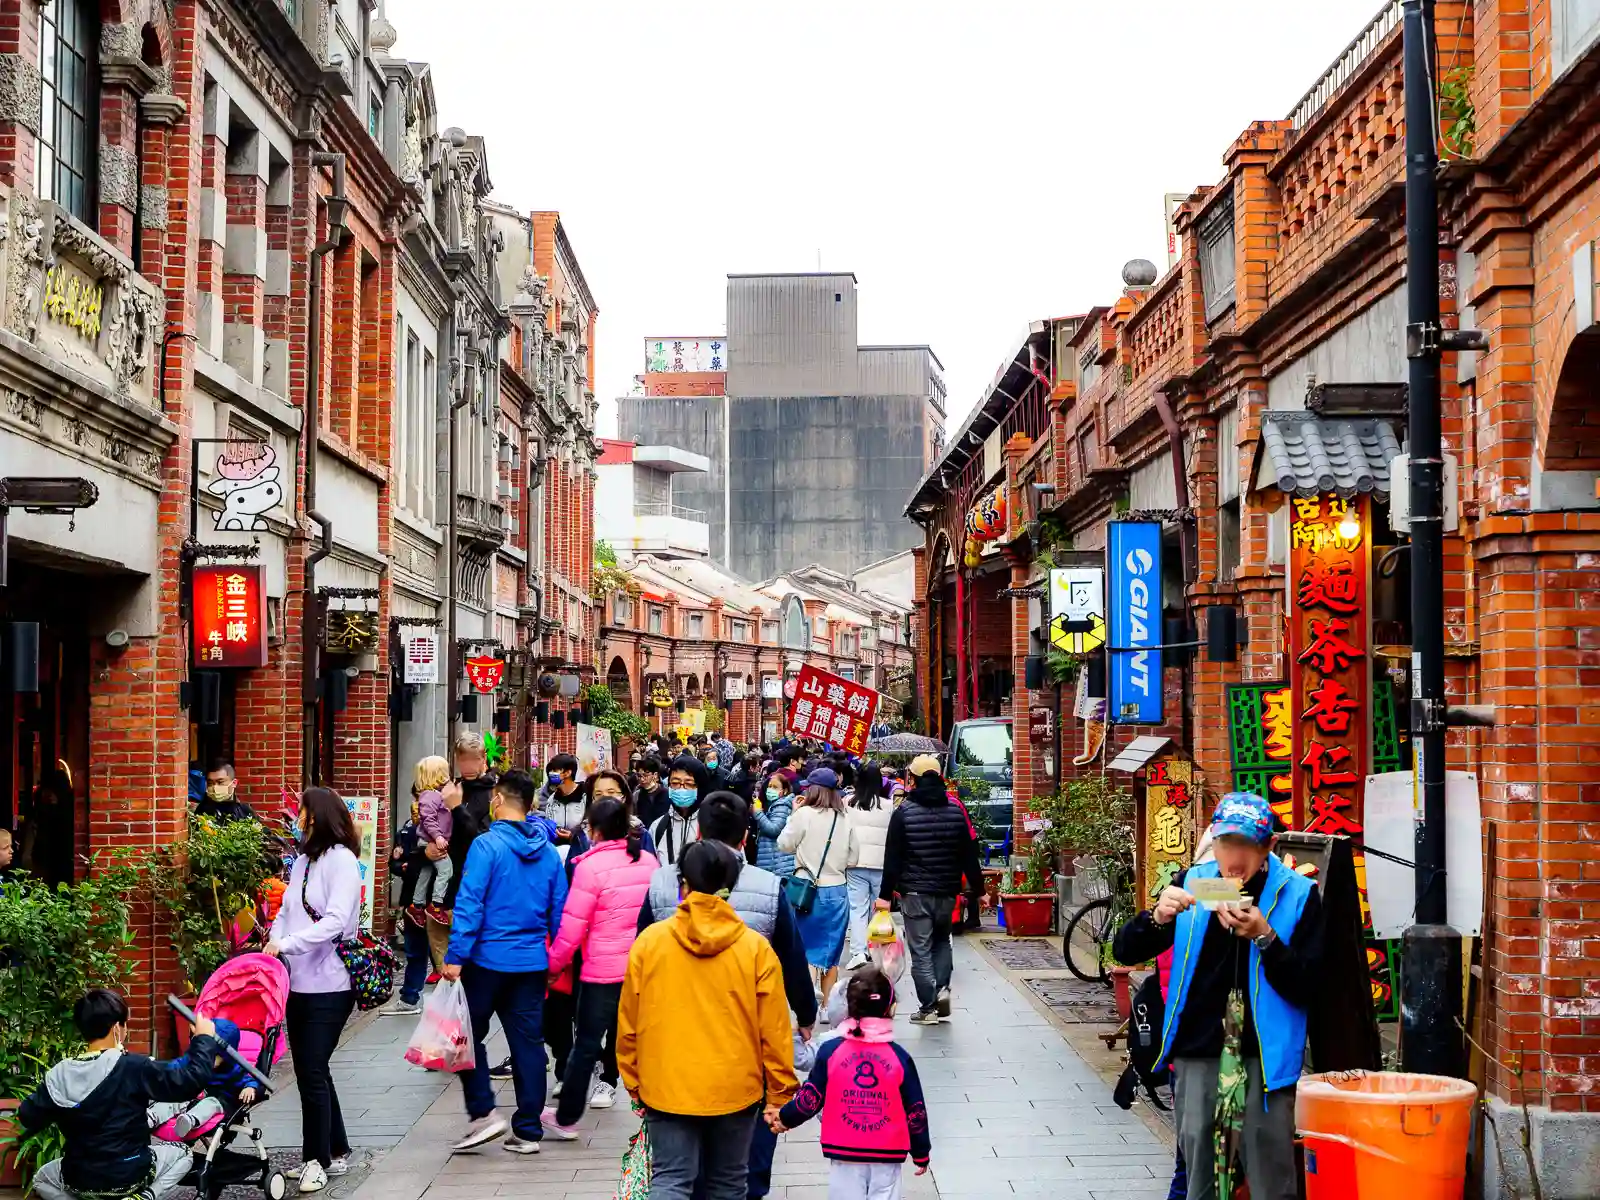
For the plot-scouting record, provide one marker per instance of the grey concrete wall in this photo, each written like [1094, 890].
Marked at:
[1369, 348]
[792, 335]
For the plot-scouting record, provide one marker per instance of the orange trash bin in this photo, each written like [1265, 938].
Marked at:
[1371, 1135]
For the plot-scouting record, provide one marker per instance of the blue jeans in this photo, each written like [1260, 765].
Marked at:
[763, 1145]
[518, 1000]
[864, 884]
[418, 963]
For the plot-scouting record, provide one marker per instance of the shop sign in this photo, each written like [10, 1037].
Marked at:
[1133, 550]
[246, 477]
[351, 631]
[733, 687]
[1077, 609]
[73, 299]
[771, 687]
[364, 812]
[1169, 823]
[421, 650]
[485, 673]
[230, 616]
[832, 709]
[661, 694]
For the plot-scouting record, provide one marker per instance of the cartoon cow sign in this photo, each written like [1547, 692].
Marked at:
[247, 481]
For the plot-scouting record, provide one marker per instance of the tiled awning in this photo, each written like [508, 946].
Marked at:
[1302, 454]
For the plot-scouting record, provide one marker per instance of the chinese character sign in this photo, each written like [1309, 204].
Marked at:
[681, 355]
[230, 617]
[364, 813]
[485, 673]
[826, 708]
[1330, 678]
[421, 655]
[1133, 554]
[1169, 823]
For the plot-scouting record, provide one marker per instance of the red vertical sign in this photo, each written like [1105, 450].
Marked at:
[1330, 676]
[230, 616]
[832, 709]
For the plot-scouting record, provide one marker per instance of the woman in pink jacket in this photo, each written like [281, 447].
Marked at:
[600, 921]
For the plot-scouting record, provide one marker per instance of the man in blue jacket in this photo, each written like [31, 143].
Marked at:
[508, 905]
[1269, 952]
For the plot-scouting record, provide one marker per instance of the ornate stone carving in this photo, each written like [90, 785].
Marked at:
[133, 329]
[26, 284]
[117, 450]
[119, 175]
[411, 167]
[24, 408]
[20, 89]
[75, 430]
[150, 464]
[153, 206]
[121, 41]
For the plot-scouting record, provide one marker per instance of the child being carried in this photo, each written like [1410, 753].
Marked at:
[434, 824]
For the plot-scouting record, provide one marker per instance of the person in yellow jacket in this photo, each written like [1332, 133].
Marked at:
[703, 1037]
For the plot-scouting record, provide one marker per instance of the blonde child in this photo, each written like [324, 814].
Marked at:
[434, 824]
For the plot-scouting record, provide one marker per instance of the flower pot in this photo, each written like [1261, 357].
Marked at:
[180, 1028]
[10, 1172]
[1028, 913]
[1121, 987]
[991, 885]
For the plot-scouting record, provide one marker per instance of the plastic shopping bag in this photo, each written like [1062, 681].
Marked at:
[443, 1039]
[634, 1182]
[889, 957]
[805, 1055]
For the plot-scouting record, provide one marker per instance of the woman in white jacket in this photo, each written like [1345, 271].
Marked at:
[870, 810]
[818, 835]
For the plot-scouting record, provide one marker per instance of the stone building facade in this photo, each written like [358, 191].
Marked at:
[1221, 401]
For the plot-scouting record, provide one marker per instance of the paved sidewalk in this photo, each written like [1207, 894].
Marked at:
[1013, 1109]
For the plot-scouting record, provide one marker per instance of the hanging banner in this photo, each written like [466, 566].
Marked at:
[230, 616]
[485, 673]
[420, 648]
[1133, 554]
[1169, 825]
[594, 750]
[833, 710]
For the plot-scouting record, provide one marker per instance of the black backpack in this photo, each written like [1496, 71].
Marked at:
[1144, 1046]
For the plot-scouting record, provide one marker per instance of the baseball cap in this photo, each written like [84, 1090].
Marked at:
[1243, 814]
[823, 777]
[923, 763]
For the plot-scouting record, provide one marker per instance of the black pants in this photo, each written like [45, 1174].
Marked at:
[560, 1011]
[597, 1024]
[315, 1020]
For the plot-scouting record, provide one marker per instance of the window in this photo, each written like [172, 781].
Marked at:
[374, 114]
[796, 634]
[657, 620]
[425, 436]
[740, 631]
[67, 152]
[414, 456]
[847, 672]
[847, 643]
[1217, 266]
[1576, 25]
[769, 632]
[697, 625]
[622, 611]
[1228, 550]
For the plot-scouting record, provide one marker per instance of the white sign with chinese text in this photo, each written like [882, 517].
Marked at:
[421, 648]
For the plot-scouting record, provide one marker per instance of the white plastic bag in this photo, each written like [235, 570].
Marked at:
[805, 1055]
[443, 1038]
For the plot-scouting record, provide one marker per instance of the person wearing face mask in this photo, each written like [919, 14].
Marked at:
[99, 1100]
[563, 799]
[221, 802]
[768, 821]
[1267, 954]
[687, 783]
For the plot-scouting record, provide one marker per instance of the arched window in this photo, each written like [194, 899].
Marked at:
[67, 151]
[794, 625]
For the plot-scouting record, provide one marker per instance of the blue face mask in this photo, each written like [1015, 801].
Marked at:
[681, 797]
[712, 763]
[773, 793]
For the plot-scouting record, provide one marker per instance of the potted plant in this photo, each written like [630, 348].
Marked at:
[60, 942]
[209, 885]
[1029, 903]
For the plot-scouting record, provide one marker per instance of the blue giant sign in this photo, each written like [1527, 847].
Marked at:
[1133, 554]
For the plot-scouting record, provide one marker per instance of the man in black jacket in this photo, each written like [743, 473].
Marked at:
[930, 849]
[468, 797]
[100, 1100]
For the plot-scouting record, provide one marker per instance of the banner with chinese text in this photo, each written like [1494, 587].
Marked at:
[230, 616]
[828, 708]
[1169, 825]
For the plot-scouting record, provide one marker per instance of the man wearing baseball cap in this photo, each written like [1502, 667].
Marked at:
[1267, 948]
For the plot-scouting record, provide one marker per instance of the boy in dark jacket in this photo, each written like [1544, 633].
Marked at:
[100, 1101]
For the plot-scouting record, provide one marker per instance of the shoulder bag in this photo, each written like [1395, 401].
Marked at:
[371, 963]
[802, 889]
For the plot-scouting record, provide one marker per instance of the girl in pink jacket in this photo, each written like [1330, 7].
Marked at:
[599, 922]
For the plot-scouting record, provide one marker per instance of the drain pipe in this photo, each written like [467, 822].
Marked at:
[310, 617]
[461, 368]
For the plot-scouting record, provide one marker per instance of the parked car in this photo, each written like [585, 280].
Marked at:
[982, 747]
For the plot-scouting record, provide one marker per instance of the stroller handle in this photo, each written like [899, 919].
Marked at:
[184, 1011]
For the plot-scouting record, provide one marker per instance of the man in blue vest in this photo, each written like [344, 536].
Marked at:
[1268, 950]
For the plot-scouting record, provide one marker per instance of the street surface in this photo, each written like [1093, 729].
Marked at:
[1014, 1110]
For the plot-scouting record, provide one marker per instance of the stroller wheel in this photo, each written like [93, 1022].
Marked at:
[277, 1186]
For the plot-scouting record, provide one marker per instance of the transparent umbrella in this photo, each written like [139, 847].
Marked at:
[905, 743]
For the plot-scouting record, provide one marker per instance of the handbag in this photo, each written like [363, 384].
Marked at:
[370, 962]
[802, 891]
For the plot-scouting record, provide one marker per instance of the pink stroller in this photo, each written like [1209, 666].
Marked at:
[252, 991]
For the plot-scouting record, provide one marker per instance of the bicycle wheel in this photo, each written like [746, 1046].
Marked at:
[1087, 932]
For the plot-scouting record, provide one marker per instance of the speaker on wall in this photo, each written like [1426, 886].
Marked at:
[469, 708]
[208, 698]
[541, 712]
[502, 720]
[336, 689]
[19, 656]
[558, 720]
[1033, 672]
[1222, 634]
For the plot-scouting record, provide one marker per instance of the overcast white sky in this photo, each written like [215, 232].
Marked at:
[977, 164]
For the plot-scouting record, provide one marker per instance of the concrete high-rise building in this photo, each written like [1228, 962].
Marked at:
[814, 440]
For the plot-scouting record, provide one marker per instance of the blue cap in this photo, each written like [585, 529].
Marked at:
[1243, 814]
[823, 777]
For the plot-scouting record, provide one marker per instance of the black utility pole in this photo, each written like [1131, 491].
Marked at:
[1431, 981]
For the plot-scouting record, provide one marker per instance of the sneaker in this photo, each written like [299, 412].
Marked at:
[434, 977]
[925, 1016]
[556, 1089]
[339, 1166]
[481, 1132]
[520, 1145]
[400, 1008]
[438, 914]
[941, 1002]
[312, 1178]
[561, 1133]
[856, 963]
[502, 1071]
[603, 1096]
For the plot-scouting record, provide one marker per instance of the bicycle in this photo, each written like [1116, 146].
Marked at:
[1089, 932]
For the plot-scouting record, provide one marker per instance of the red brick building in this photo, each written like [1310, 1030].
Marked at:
[1202, 400]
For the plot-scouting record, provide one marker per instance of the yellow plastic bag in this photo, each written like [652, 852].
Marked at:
[880, 929]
